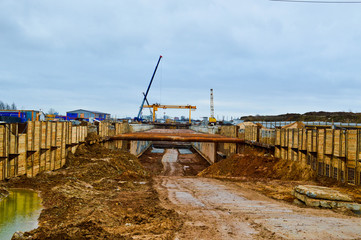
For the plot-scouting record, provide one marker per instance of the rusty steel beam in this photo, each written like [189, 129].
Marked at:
[175, 138]
[180, 134]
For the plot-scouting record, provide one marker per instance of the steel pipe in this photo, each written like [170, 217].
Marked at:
[175, 138]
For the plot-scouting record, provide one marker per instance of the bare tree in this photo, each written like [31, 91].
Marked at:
[51, 111]
[5, 106]
[13, 106]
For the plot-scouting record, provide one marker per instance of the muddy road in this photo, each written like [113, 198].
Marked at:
[110, 194]
[215, 209]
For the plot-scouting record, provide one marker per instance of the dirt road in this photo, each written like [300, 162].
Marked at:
[171, 166]
[215, 209]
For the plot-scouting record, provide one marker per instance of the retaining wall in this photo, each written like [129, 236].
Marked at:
[210, 150]
[137, 148]
[33, 147]
[329, 152]
[207, 150]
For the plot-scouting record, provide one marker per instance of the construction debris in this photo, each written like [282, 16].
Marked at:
[318, 196]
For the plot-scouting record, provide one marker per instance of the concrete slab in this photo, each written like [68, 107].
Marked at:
[320, 192]
[326, 203]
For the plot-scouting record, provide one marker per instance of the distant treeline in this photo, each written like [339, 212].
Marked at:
[309, 117]
[5, 106]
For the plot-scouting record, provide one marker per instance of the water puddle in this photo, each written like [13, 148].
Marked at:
[157, 150]
[185, 151]
[19, 212]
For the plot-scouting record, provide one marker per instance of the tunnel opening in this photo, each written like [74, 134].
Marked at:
[173, 159]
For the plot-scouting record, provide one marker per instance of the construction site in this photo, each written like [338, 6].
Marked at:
[87, 176]
[146, 181]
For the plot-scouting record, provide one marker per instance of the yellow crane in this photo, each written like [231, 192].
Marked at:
[212, 119]
[157, 106]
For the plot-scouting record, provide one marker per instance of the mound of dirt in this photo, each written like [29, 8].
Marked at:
[92, 136]
[99, 194]
[258, 166]
[263, 173]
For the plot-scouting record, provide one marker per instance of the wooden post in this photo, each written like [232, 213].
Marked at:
[36, 162]
[3, 152]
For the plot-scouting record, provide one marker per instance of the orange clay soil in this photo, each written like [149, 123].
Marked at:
[99, 194]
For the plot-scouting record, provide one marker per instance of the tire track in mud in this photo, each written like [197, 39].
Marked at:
[170, 165]
[214, 209]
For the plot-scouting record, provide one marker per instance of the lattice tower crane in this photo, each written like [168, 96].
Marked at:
[212, 120]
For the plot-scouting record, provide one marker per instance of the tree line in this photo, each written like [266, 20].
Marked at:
[6, 106]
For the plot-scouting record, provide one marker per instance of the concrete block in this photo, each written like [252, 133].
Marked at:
[350, 205]
[312, 202]
[309, 200]
[322, 193]
[299, 196]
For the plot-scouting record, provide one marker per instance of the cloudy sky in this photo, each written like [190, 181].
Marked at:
[259, 56]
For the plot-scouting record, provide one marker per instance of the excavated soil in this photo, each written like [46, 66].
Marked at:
[99, 194]
[108, 194]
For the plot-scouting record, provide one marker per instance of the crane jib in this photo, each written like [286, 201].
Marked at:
[146, 93]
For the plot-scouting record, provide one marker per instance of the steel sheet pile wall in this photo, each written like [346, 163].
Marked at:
[106, 130]
[250, 134]
[228, 148]
[329, 152]
[34, 147]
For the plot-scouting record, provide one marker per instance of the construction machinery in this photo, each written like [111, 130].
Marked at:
[212, 120]
[139, 117]
[157, 106]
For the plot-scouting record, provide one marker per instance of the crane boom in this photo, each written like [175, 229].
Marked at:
[147, 104]
[156, 106]
[146, 93]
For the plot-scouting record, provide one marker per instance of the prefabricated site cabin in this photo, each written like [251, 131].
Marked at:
[86, 115]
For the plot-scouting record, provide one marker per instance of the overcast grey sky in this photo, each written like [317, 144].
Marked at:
[260, 57]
